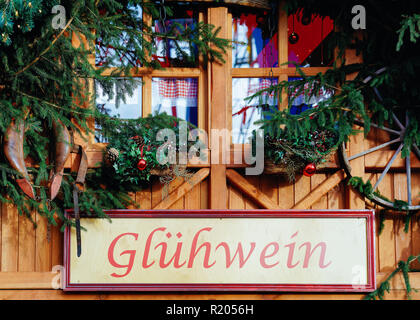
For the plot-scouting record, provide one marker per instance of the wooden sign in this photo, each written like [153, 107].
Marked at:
[208, 250]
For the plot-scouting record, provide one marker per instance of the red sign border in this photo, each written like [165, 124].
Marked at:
[208, 213]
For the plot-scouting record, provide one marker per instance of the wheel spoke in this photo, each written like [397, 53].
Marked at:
[361, 123]
[416, 150]
[397, 121]
[388, 166]
[361, 154]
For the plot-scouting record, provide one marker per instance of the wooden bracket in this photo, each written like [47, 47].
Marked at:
[260, 198]
[183, 189]
[320, 191]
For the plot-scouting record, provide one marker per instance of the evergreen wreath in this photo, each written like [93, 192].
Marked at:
[132, 140]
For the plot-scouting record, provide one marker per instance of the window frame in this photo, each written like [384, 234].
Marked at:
[281, 73]
[147, 75]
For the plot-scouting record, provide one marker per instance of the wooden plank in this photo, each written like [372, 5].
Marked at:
[403, 243]
[26, 251]
[229, 64]
[132, 196]
[60, 295]
[305, 199]
[202, 87]
[182, 190]
[372, 177]
[156, 194]
[9, 235]
[316, 181]
[397, 283]
[1, 236]
[158, 190]
[302, 191]
[387, 237]
[218, 104]
[415, 227]
[266, 72]
[283, 42]
[26, 280]
[43, 280]
[356, 200]
[164, 73]
[192, 198]
[144, 198]
[236, 199]
[336, 198]
[356, 143]
[42, 246]
[249, 190]
[204, 194]
[178, 204]
[147, 96]
[286, 192]
[269, 187]
[379, 159]
[57, 245]
[283, 103]
[255, 182]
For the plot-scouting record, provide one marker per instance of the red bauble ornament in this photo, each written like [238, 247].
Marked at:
[142, 164]
[309, 170]
[293, 38]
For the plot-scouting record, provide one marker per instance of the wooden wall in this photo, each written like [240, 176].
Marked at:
[27, 257]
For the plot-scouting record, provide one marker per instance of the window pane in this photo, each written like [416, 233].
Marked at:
[252, 47]
[299, 102]
[168, 53]
[119, 53]
[245, 113]
[176, 97]
[131, 108]
[313, 47]
[124, 107]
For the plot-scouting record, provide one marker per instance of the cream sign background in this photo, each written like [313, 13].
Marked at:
[165, 250]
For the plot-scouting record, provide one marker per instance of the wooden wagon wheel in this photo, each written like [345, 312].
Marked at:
[396, 139]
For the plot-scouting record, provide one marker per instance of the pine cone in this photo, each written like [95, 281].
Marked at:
[111, 155]
[138, 140]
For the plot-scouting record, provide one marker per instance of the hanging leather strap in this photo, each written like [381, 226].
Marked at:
[78, 187]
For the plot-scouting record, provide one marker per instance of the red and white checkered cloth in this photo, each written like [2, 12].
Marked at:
[263, 84]
[178, 88]
[308, 91]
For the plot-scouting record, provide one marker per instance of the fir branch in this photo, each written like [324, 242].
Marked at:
[46, 49]
[385, 286]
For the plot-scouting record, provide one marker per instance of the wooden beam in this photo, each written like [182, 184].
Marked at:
[26, 280]
[219, 93]
[183, 189]
[44, 280]
[267, 72]
[252, 192]
[320, 191]
[356, 144]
